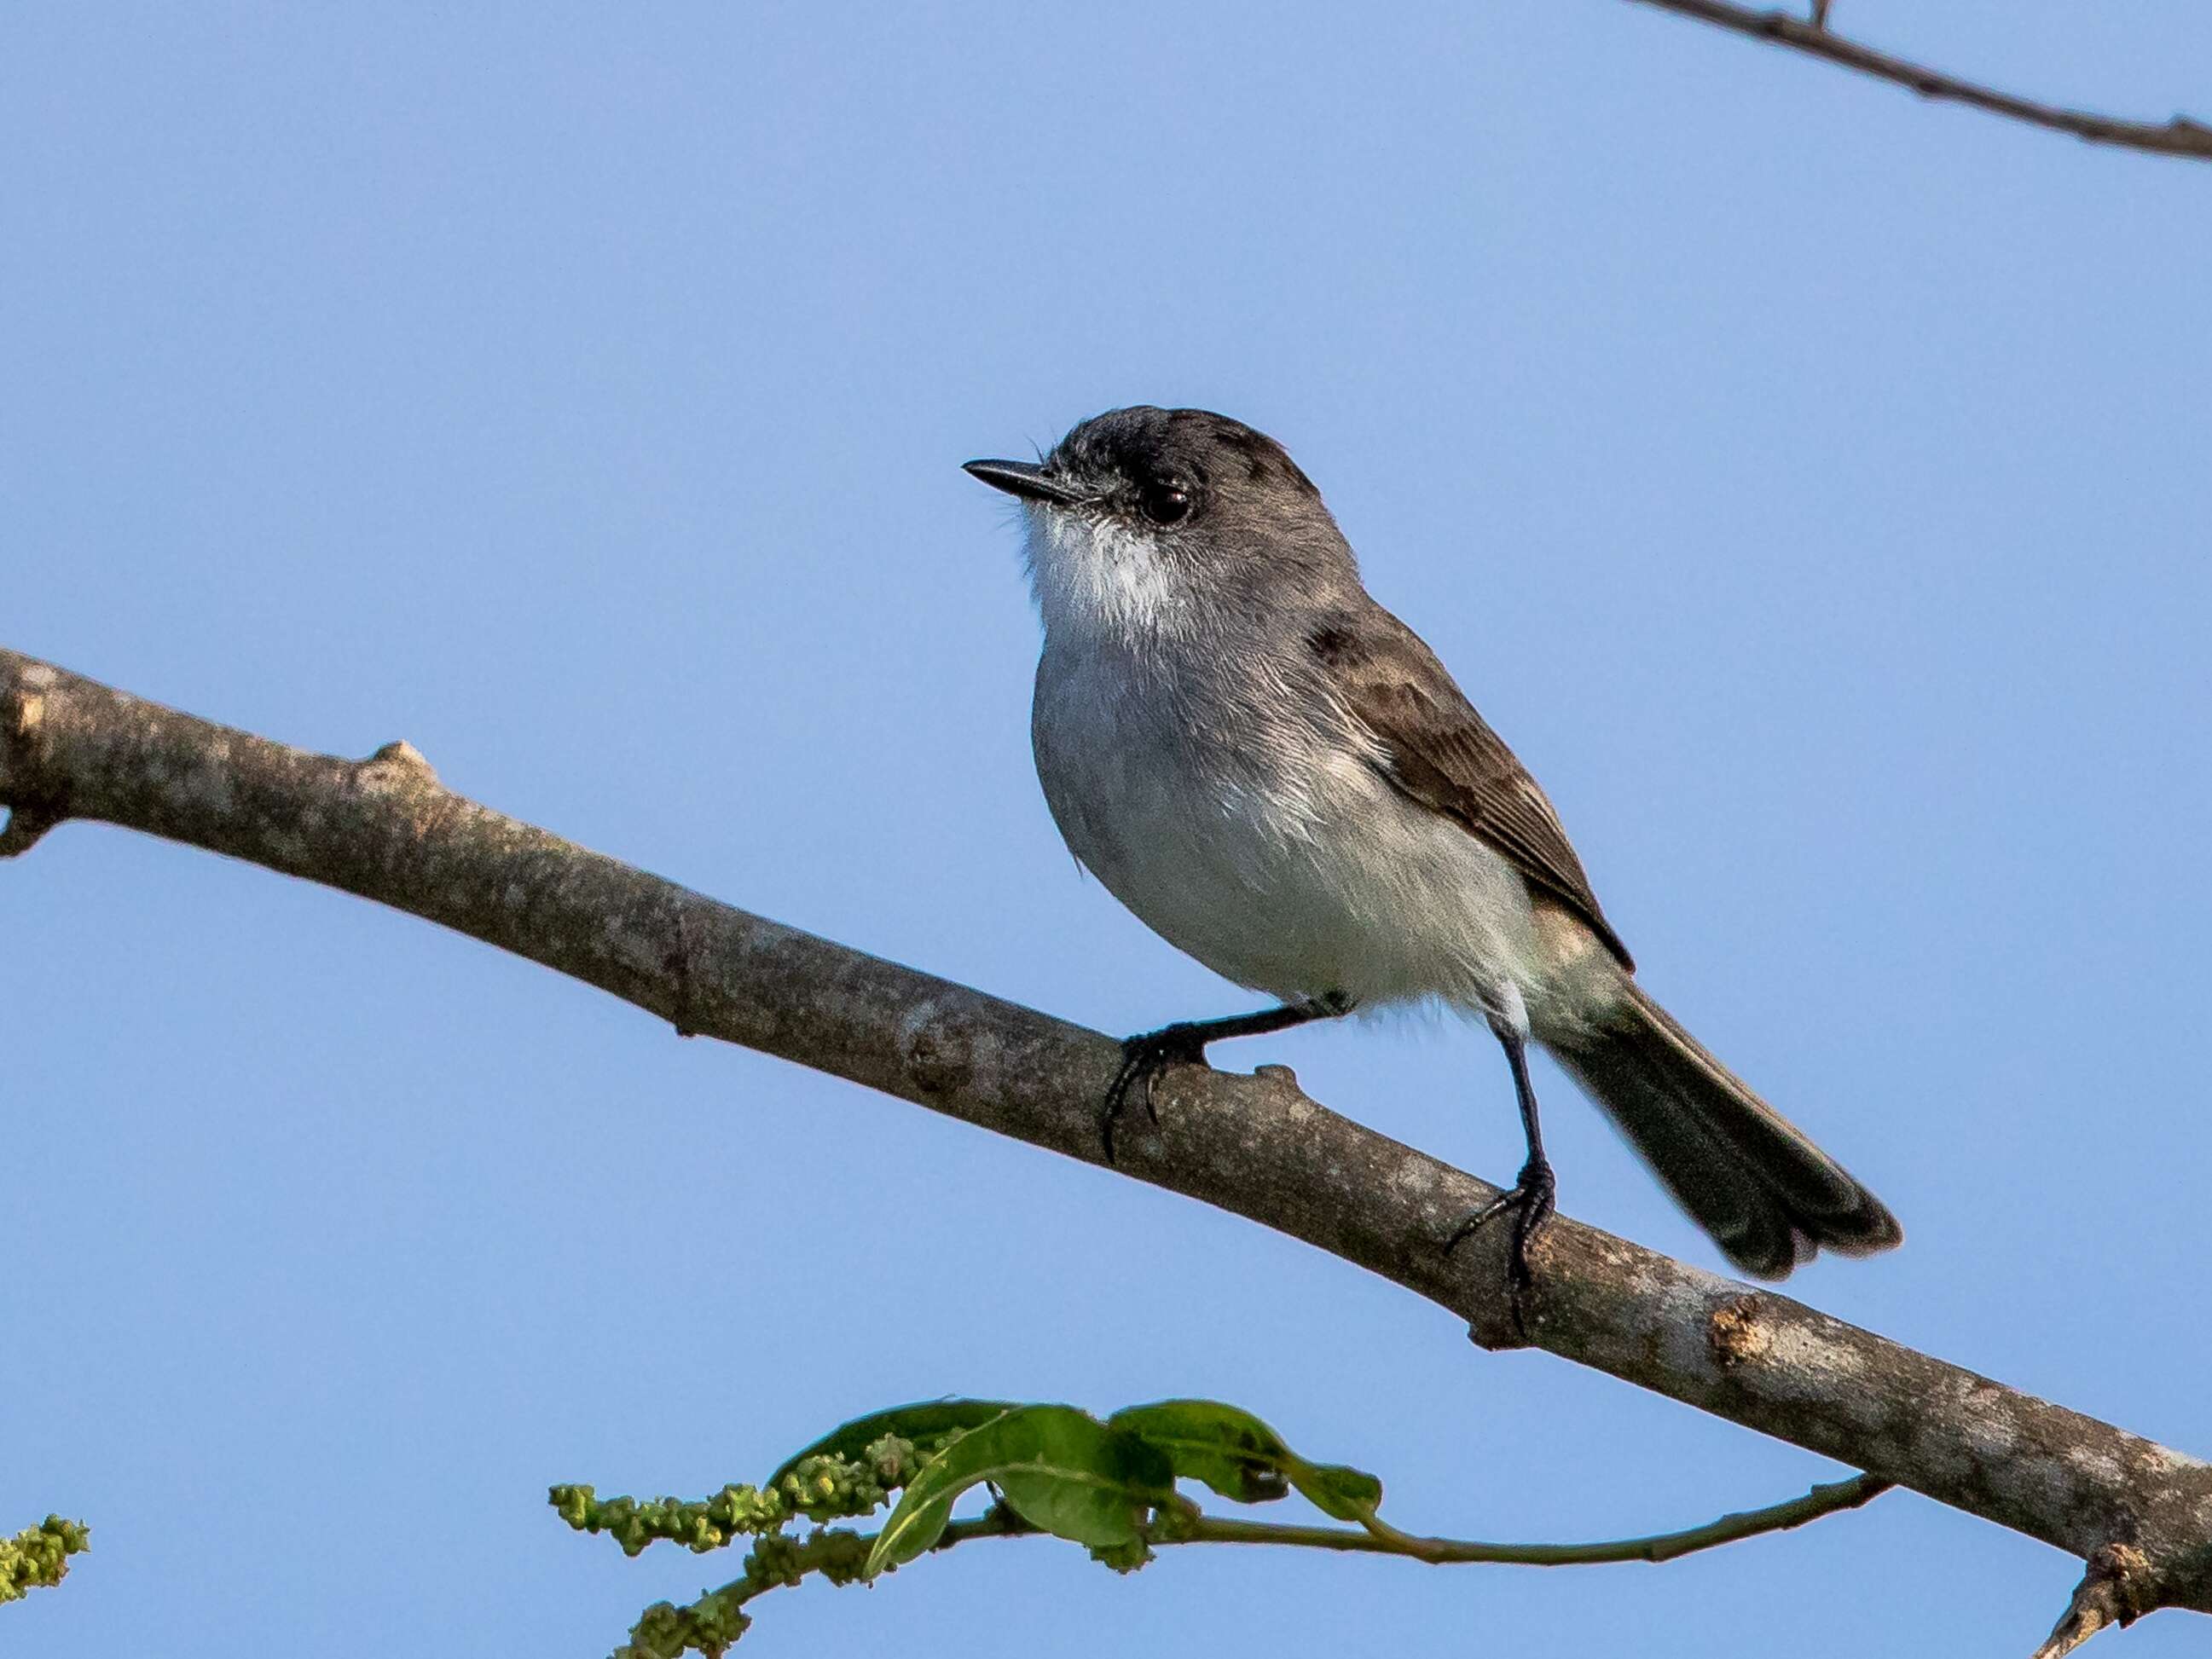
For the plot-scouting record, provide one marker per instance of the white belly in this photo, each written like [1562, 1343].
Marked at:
[1296, 870]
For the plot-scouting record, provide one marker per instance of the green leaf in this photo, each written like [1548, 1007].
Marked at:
[1224, 1446]
[1241, 1458]
[1336, 1489]
[1060, 1469]
[911, 1530]
[922, 1420]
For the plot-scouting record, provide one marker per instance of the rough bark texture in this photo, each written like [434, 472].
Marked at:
[387, 830]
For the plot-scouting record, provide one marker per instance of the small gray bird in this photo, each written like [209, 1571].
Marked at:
[1280, 778]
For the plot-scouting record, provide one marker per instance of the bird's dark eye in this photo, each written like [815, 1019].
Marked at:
[1164, 501]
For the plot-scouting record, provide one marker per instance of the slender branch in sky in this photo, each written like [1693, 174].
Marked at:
[387, 829]
[2179, 136]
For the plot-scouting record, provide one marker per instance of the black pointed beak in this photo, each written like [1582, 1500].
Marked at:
[1023, 478]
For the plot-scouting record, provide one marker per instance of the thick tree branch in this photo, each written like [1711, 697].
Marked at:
[2179, 136]
[387, 830]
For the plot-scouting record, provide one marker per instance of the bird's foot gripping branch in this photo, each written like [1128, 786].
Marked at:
[1055, 1471]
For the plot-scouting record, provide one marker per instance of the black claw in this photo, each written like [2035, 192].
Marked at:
[1144, 1057]
[1531, 1201]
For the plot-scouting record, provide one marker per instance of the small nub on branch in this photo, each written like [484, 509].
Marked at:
[400, 755]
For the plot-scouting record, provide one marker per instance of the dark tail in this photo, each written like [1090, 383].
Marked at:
[1769, 1196]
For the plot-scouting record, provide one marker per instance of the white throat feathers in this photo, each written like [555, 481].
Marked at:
[1097, 575]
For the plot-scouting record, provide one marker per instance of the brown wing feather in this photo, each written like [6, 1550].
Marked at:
[1440, 752]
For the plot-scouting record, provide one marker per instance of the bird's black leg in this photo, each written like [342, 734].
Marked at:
[1531, 1197]
[1145, 1056]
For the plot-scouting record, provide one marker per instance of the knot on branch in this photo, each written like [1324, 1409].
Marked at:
[1736, 1331]
[399, 764]
[33, 806]
[2121, 1574]
[397, 776]
[2117, 1587]
[934, 1051]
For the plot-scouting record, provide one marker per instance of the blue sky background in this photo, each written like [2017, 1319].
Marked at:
[1811, 484]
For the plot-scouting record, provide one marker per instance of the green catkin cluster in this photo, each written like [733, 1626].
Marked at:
[711, 1624]
[37, 1558]
[825, 1488]
[819, 1489]
[701, 1526]
[708, 1626]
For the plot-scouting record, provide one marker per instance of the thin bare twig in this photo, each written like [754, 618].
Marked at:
[387, 829]
[2179, 136]
[1379, 1537]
